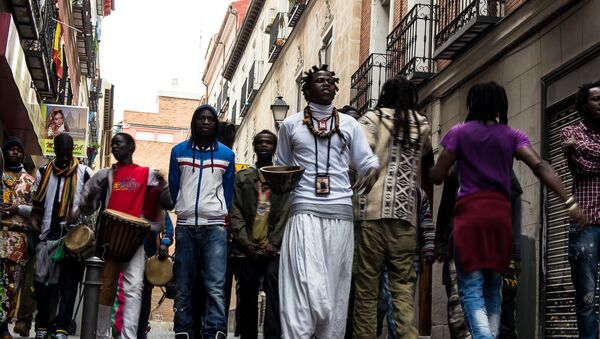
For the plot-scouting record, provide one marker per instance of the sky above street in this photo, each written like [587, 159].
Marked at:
[146, 43]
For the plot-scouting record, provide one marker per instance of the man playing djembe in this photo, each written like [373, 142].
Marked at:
[122, 188]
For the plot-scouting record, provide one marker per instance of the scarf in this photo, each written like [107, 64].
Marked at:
[68, 193]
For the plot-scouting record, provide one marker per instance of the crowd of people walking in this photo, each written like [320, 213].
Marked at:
[334, 256]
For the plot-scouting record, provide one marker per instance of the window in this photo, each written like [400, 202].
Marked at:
[325, 52]
[144, 136]
[165, 137]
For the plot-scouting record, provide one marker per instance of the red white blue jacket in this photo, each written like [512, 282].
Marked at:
[201, 183]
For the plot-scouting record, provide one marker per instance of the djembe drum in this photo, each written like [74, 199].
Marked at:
[79, 242]
[121, 235]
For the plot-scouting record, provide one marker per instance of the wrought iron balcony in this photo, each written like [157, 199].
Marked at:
[82, 21]
[243, 104]
[277, 37]
[296, 11]
[463, 21]
[410, 45]
[367, 82]
[224, 105]
[36, 26]
[251, 86]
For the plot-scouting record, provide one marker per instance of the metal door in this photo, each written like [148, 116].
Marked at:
[560, 321]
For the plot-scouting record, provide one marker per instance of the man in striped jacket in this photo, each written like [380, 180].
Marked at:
[201, 175]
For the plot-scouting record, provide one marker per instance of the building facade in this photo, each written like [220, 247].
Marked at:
[219, 50]
[48, 54]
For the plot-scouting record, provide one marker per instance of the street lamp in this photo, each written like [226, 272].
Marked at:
[279, 109]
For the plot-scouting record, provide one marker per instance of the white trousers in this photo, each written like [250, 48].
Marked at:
[133, 283]
[314, 277]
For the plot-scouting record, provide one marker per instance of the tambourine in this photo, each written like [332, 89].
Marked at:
[159, 272]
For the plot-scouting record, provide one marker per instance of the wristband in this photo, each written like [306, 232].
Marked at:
[166, 242]
[570, 201]
[573, 206]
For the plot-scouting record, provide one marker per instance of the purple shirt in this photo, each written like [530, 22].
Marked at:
[484, 155]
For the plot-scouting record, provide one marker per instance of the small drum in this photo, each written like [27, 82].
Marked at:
[121, 234]
[158, 272]
[79, 242]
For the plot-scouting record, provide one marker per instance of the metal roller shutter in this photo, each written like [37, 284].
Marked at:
[560, 321]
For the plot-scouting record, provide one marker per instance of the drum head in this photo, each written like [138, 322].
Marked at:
[124, 216]
[158, 272]
[79, 238]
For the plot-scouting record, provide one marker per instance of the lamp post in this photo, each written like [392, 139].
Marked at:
[279, 109]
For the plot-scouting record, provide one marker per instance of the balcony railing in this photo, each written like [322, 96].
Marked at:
[251, 86]
[243, 106]
[38, 46]
[82, 20]
[367, 82]
[463, 21]
[277, 36]
[296, 10]
[410, 45]
[224, 106]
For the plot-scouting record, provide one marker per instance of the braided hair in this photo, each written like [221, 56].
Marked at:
[309, 76]
[487, 101]
[582, 96]
[400, 94]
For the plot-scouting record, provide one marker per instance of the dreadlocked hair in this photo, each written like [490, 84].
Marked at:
[582, 96]
[309, 76]
[400, 94]
[487, 101]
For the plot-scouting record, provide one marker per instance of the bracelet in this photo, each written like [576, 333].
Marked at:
[572, 207]
[570, 201]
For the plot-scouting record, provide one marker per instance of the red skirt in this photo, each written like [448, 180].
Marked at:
[483, 232]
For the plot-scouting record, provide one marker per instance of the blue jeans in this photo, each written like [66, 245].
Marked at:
[583, 257]
[200, 250]
[481, 296]
[389, 305]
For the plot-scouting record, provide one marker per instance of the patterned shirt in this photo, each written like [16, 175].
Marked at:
[19, 189]
[425, 227]
[584, 163]
[392, 196]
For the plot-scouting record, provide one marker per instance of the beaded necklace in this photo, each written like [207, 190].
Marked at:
[308, 121]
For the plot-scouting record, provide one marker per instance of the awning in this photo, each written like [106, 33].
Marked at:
[19, 108]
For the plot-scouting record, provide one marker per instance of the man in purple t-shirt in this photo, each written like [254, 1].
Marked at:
[484, 149]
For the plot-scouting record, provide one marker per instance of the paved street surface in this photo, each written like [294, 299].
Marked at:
[160, 330]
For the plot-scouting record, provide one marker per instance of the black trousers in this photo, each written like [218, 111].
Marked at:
[144, 321]
[249, 273]
[71, 273]
[510, 285]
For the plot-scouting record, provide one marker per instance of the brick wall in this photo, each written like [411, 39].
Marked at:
[400, 10]
[172, 112]
[365, 30]
[153, 154]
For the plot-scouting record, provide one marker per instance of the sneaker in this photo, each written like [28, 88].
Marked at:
[60, 335]
[41, 335]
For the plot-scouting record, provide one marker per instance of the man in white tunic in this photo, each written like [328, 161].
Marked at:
[318, 243]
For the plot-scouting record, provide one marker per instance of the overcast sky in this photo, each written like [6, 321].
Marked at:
[147, 43]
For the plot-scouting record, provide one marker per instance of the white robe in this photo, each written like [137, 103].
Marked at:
[314, 277]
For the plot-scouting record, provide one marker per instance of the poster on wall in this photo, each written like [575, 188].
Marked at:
[64, 119]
